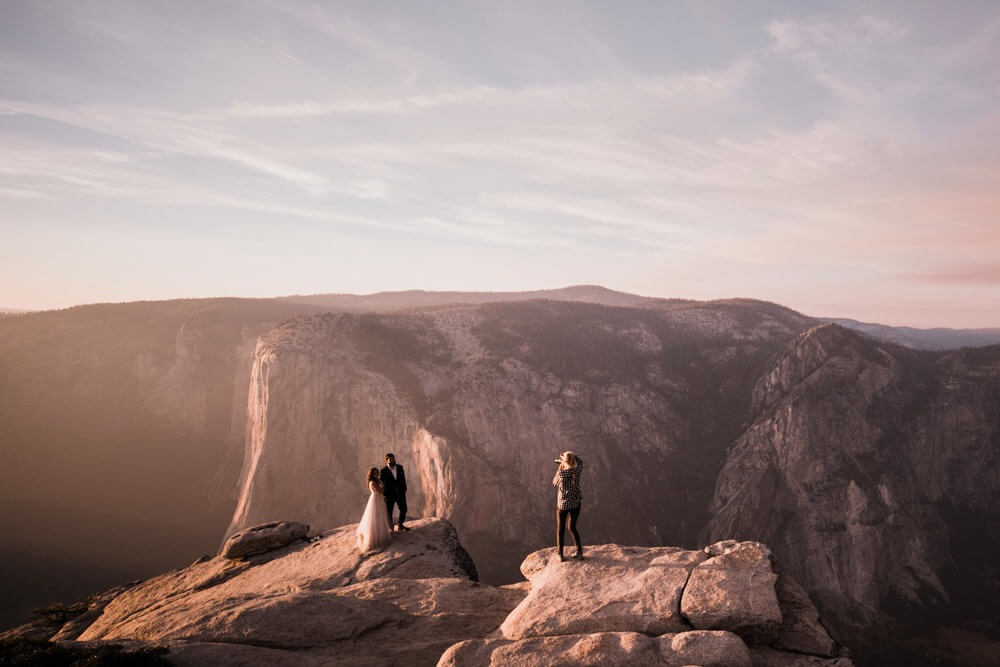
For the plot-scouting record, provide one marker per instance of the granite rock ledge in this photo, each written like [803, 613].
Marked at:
[318, 601]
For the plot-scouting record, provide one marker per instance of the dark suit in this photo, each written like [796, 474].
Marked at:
[395, 491]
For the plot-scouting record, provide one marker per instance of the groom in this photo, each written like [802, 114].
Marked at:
[394, 482]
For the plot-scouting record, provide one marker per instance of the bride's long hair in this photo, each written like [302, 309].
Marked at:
[372, 475]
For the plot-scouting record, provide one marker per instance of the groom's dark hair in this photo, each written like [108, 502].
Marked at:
[390, 454]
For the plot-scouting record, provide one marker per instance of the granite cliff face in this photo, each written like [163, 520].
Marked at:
[476, 402]
[864, 467]
[856, 460]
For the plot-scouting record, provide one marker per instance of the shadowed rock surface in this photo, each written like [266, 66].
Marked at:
[765, 656]
[120, 654]
[697, 647]
[801, 630]
[852, 468]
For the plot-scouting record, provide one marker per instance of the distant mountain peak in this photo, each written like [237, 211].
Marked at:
[938, 338]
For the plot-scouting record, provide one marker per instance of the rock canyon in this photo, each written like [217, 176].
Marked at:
[871, 471]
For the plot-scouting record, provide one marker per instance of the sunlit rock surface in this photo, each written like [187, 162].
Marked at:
[654, 606]
[417, 602]
[316, 602]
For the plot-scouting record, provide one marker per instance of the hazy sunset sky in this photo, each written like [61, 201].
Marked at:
[842, 159]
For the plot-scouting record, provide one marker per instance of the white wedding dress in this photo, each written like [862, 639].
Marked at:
[373, 531]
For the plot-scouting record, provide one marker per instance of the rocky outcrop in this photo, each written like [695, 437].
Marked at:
[616, 589]
[655, 606]
[306, 602]
[315, 602]
[417, 602]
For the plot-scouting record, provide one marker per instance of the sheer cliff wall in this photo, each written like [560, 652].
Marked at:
[476, 403]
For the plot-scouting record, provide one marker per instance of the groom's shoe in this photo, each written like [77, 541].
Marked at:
[402, 527]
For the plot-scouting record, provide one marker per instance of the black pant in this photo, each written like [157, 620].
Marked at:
[400, 500]
[574, 518]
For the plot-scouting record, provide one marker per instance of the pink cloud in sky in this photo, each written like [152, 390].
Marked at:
[978, 274]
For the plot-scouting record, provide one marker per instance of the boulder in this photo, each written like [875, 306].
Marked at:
[801, 629]
[263, 538]
[616, 589]
[734, 590]
[700, 647]
[708, 648]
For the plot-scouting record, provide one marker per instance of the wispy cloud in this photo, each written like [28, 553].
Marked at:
[856, 140]
[977, 274]
[851, 38]
[22, 193]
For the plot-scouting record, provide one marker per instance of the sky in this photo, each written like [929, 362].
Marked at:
[842, 159]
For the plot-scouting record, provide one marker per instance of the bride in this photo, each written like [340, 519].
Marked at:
[373, 531]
